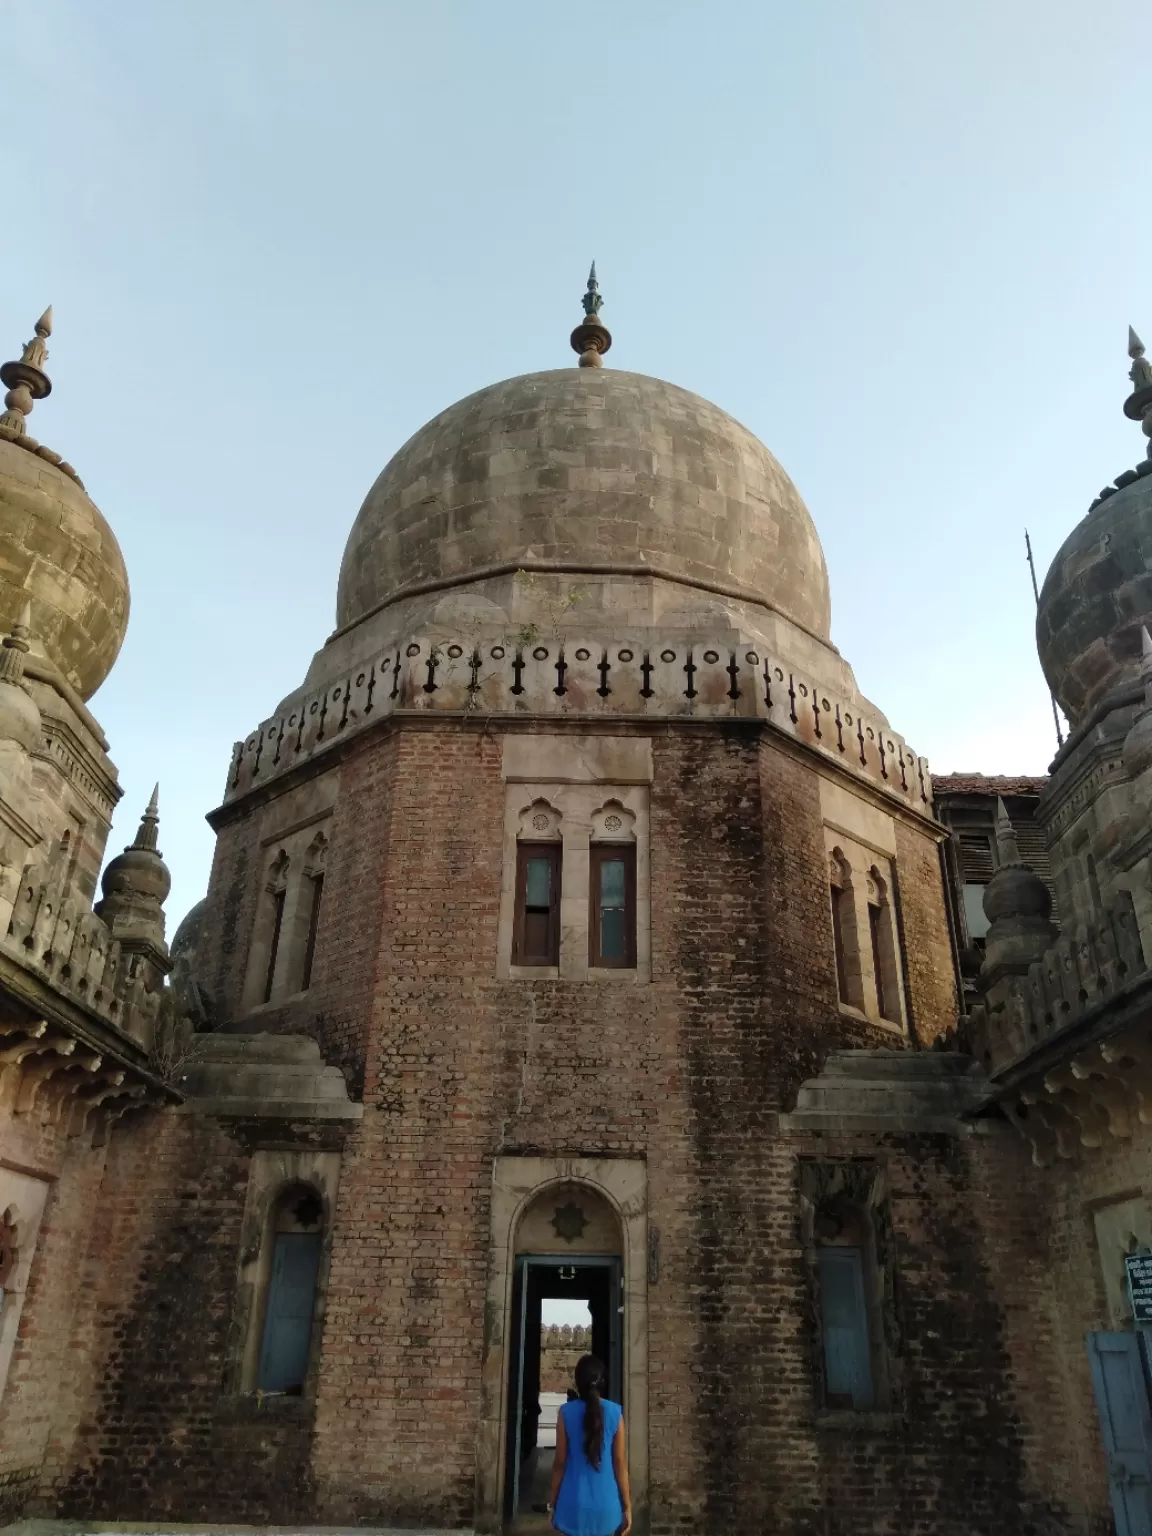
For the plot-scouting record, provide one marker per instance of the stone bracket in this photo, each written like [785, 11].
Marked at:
[50, 1076]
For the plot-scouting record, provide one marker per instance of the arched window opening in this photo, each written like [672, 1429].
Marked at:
[612, 889]
[536, 929]
[297, 1234]
[312, 895]
[882, 935]
[277, 888]
[849, 982]
[844, 1265]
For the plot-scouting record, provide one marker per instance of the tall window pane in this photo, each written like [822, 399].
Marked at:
[875, 919]
[613, 910]
[844, 1323]
[612, 919]
[538, 893]
[317, 890]
[536, 935]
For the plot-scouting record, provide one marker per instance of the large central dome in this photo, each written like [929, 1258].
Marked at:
[586, 470]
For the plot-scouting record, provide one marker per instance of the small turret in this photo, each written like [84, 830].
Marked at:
[135, 886]
[1018, 906]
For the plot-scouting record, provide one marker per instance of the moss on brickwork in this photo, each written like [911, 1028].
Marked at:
[689, 1074]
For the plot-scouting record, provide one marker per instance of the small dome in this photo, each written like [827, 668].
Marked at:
[1095, 597]
[56, 549]
[586, 470]
[186, 939]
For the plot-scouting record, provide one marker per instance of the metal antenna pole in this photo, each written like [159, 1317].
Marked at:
[1036, 595]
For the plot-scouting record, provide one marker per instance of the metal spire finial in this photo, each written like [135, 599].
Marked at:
[591, 339]
[592, 300]
[25, 379]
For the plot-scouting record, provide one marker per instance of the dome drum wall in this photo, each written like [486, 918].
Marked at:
[586, 471]
[59, 551]
[1095, 597]
[573, 605]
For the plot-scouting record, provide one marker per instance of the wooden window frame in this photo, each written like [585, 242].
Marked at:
[524, 852]
[598, 853]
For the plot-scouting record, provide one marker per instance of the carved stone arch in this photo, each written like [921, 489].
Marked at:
[278, 870]
[613, 823]
[539, 822]
[839, 870]
[315, 855]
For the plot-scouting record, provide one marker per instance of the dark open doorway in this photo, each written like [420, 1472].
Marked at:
[592, 1279]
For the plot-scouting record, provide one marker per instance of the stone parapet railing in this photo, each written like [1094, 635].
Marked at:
[1067, 1045]
[653, 679]
[59, 939]
[564, 1336]
[1082, 971]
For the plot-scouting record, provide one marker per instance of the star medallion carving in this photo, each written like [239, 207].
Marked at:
[569, 1222]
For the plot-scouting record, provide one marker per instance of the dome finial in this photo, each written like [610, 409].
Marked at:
[592, 339]
[1138, 406]
[592, 300]
[148, 834]
[26, 380]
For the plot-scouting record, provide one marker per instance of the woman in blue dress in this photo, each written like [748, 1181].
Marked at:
[590, 1493]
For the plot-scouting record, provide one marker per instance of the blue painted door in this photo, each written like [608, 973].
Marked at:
[288, 1319]
[1125, 1426]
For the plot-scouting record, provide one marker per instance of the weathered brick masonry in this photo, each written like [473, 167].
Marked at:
[688, 1073]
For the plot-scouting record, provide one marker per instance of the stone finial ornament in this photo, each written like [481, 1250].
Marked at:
[26, 380]
[1138, 406]
[591, 339]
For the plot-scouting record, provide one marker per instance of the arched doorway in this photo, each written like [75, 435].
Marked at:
[567, 1300]
[605, 1264]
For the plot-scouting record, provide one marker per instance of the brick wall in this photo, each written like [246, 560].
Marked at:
[927, 949]
[144, 1428]
[689, 1073]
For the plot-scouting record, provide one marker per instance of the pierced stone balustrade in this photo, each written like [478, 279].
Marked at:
[1067, 1045]
[61, 940]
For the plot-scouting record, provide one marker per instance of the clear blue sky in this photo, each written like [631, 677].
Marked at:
[901, 241]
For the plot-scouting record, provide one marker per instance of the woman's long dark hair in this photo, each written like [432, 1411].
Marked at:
[589, 1380]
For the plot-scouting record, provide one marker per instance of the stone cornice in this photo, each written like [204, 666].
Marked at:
[66, 751]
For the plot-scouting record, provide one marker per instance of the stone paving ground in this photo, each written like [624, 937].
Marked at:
[144, 1528]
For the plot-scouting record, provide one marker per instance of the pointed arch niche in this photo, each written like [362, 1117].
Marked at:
[586, 1210]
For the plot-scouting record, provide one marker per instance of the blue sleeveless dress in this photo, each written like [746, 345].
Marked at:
[588, 1503]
